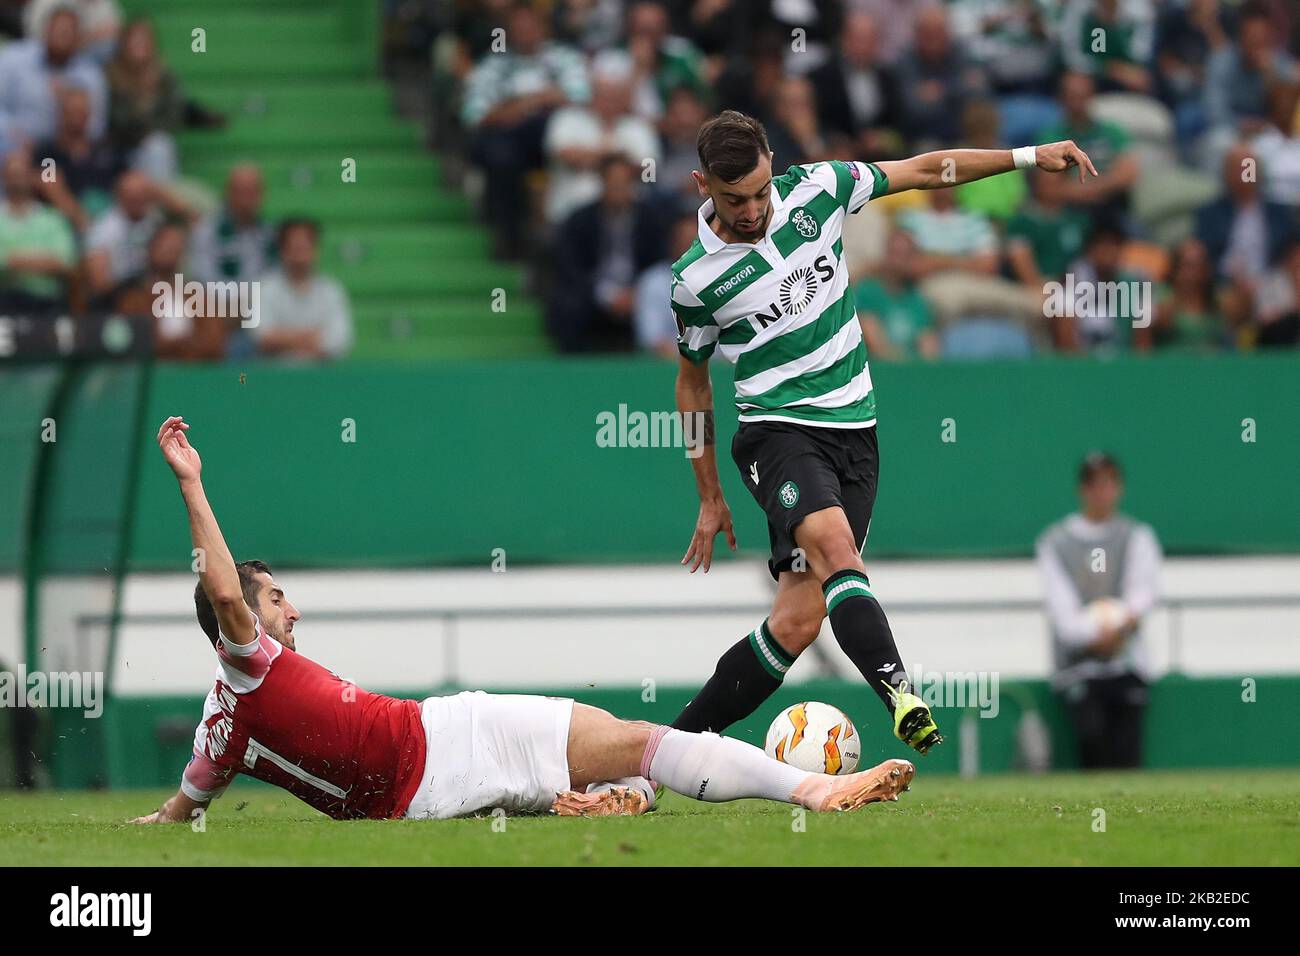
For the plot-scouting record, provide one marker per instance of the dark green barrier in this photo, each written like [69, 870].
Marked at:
[26, 393]
[452, 461]
[1191, 723]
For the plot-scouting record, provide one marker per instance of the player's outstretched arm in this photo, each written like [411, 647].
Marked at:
[695, 403]
[952, 167]
[178, 809]
[219, 578]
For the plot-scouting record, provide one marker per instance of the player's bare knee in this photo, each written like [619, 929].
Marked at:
[604, 747]
[827, 544]
[845, 555]
[634, 737]
[833, 555]
[796, 627]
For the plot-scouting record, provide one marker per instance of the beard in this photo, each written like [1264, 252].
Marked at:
[752, 232]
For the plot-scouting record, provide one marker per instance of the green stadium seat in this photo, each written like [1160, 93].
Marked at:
[391, 242]
[299, 83]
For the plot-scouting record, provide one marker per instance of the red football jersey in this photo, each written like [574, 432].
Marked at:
[279, 717]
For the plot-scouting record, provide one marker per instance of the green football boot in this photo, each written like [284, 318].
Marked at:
[913, 724]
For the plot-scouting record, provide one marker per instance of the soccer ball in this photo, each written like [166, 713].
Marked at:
[815, 737]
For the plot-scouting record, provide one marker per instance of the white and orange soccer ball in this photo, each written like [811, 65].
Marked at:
[815, 737]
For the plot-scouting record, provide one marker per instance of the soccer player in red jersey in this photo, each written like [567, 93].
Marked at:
[280, 717]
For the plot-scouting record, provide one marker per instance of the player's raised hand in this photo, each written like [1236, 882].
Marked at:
[1058, 157]
[714, 517]
[180, 454]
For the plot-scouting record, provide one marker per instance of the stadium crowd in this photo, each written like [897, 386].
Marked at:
[94, 211]
[578, 120]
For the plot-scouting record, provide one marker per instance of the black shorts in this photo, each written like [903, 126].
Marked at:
[793, 470]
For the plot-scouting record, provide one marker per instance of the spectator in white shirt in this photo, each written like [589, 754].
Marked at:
[1277, 147]
[1100, 572]
[580, 136]
[236, 241]
[117, 245]
[302, 314]
[509, 96]
[950, 239]
[182, 329]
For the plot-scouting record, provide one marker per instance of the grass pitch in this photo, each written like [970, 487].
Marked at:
[1224, 817]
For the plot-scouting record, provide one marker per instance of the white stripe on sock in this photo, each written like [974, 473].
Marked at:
[846, 586]
[767, 651]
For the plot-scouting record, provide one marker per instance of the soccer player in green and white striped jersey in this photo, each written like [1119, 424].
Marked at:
[765, 285]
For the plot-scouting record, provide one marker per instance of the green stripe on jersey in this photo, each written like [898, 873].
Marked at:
[782, 306]
[797, 342]
[811, 385]
[844, 181]
[879, 181]
[786, 182]
[731, 283]
[788, 238]
[693, 316]
[695, 252]
[697, 355]
[738, 334]
[855, 413]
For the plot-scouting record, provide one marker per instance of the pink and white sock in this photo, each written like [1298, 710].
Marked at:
[717, 769]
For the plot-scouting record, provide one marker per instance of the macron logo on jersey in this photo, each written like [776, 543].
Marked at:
[722, 289]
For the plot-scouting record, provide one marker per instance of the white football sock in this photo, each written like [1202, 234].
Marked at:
[717, 769]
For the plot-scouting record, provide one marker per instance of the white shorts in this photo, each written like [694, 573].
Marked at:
[492, 750]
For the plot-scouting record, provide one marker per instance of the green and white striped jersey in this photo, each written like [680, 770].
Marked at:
[781, 308]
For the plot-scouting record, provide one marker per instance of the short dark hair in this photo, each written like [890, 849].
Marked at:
[730, 145]
[615, 158]
[207, 614]
[1253, 10]
[1095, 462]
[297, 222]
[1106, 228]
[64, 8]
[169, 224]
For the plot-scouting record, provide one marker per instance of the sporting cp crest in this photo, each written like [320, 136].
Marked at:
[789, 494]
[804, 223]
